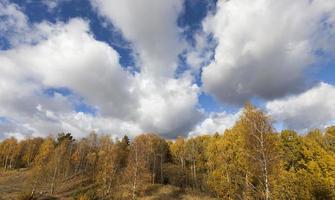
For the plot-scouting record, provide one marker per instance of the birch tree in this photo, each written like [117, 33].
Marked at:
[261, 148]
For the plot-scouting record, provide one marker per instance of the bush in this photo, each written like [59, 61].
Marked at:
[88, 195]
[26, 196]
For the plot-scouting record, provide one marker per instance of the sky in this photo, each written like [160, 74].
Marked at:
[176, 68]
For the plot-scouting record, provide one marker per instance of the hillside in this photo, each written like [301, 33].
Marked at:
[14, 184]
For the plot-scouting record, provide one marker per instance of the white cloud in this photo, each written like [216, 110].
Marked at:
[168, 107]
[13, 22]
[46, 122]
[16, 28]
[202, 52]
[151, 25]
[52, 4]
[80, 124]
[18, 136]
[67, 56]
[215, 122]
[70, 57]
[314, 108]
[264, 46]
[253, 58]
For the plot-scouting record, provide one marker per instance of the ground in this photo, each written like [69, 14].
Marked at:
[168, 192]
[15, 183]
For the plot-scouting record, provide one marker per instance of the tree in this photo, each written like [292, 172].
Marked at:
[125, 141]
[178, 152]
[308, 169]
[41, 169]
[61, 158]
[227, 165]
[329, 139]
[9, 153]
[30, 150]
[195, 157]
[261, 149]
[147, 154]
[291, 146]
[64, 137]
[111, 163]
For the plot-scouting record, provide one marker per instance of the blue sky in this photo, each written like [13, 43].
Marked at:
[183, 67]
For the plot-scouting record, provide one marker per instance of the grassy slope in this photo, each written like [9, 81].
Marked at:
[168, 192]
[13, 183]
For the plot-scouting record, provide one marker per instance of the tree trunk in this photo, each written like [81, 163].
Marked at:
[195, 175]
[154, 171]
[6, 161]
[265, 169]
[11, 163]
[135, 174]
[161, 169]
[69, 162]
[54, 179]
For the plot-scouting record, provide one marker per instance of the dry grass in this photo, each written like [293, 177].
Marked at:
[17, 182]
[168, 192]
[14, 183]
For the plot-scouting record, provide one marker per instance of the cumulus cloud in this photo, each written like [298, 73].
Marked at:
[169, 107]
[314, 108]
[201, 53]
[215, 123]
[58, 62]
[13, 23]
[258, 53]
[67, 56]
[265, 46]
[45, 122]
[16, 29]
[151, 25]
[18, 136]
[72, 58]
[80, 124]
